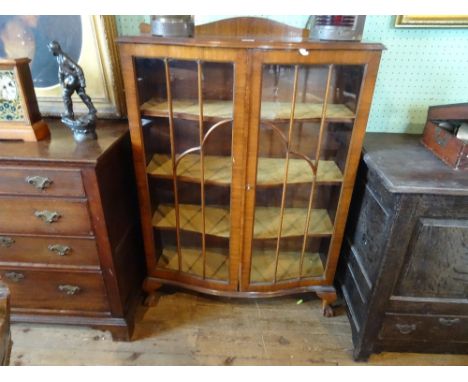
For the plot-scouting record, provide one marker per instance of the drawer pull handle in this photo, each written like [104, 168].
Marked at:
[6, 241]
[406, 328]
[48, 216]
[449, 321]
[14, 276]
[61, 250]
[69, 289]
[40, 182]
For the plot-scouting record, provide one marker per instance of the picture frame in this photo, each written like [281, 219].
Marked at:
[89, 40]
[20, 118]
[431, 21]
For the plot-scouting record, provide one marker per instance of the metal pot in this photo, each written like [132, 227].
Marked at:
[172, 25]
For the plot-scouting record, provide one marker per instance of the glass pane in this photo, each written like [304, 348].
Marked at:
[346, 86]
[187, 108]
[307, 116]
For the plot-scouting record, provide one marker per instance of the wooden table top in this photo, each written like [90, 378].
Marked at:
[60, 146]
[406, 166]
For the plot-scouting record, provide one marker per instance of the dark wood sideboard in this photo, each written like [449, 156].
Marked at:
[70, 248]
[404, 265]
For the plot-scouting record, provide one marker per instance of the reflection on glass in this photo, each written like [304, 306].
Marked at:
[307, 116]
[188, 139]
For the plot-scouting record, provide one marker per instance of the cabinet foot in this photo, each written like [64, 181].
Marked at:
[152, 299]
[328, 298]
[327, 310]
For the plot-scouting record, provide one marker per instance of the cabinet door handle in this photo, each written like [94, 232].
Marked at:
[48, 216]
[40, 182]
[449, 321]
[6, 241]
[406, 328]
[61, 250]
[69, 289]
[14, 276]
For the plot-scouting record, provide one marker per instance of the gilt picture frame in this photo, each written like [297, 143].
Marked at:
[431, 21]
[89, 40]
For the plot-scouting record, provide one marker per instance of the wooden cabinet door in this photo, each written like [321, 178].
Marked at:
[307, 120]
[187, 119]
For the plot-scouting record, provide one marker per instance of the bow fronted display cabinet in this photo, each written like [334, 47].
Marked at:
[245, 153]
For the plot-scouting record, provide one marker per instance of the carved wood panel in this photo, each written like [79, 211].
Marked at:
[437, 261]
[370, 230]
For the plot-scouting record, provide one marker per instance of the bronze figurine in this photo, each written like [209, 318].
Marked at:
[71, 78]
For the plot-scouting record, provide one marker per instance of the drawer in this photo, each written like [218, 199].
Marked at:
[53, 290]
[56, 251]
[40, 181]
[44, 216]
[425, 328]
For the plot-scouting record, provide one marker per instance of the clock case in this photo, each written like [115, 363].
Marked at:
[32, 127]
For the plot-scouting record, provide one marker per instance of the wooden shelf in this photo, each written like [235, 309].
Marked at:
[220, 109]
[216, 265]
[218, 170]
[213, 110]
[217, 221]
[263, 266]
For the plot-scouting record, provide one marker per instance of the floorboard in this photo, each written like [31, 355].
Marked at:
[192, 329]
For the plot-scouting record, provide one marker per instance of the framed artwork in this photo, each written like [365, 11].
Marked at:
[89, 40]
[431, 21]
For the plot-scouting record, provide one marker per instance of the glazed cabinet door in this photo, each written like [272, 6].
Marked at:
[187, 127]
[308, 115]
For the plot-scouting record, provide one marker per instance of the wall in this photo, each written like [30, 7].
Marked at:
[420, 68]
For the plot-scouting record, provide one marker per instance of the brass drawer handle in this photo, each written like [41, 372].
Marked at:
[449, 321]
[6, 241]
[48, 216]
[40, 182]
[14, 276]
[61, 250]
[406, 328]
[70, 290]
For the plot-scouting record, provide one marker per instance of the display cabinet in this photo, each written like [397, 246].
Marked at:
[245, 152]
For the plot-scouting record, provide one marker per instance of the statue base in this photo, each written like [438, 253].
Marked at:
[83, 128]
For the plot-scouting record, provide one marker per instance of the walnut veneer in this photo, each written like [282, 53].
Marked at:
[245, 151]
[69, 231]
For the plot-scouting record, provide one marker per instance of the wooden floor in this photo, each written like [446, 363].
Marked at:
[190, 329]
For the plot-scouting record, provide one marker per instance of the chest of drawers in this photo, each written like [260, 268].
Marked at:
[404, 265]
[69, 234]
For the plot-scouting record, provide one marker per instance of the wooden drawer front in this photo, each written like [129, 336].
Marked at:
[48, 250]
[40, 181]
[31, 289]
[20, 215]
[426, 328]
